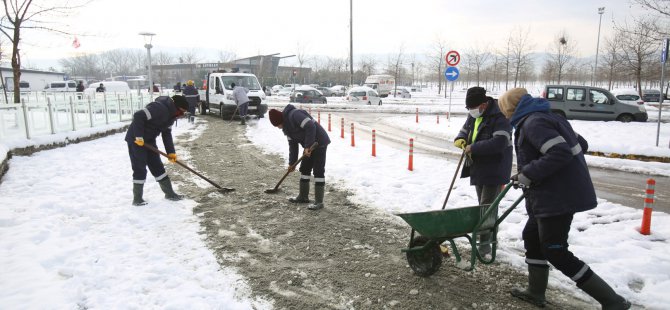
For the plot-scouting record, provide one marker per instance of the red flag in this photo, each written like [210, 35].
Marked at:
[76, 43]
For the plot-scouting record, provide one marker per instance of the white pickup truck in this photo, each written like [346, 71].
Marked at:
[219, 94]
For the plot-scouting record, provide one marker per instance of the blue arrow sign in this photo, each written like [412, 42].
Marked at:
[451, 73]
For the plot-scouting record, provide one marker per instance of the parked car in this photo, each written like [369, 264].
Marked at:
[307, 94]
[365, 95]
[591, 103]
[285, 92]
[338, 90]
[325, 91]
[628, 96]
[652, 95]
[110, 87]
[61, 86]
[275, 89]
[400, 93]
[24, 86]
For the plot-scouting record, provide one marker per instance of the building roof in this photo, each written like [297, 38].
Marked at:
[32, 71]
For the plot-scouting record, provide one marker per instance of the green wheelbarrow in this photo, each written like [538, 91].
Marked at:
[435, 227]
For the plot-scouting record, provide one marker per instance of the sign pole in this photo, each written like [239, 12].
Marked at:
[451, 90]
[661, 96]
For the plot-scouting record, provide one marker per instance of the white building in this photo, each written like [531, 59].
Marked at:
[36, 78]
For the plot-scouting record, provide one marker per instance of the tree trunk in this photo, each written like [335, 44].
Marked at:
[16, 65]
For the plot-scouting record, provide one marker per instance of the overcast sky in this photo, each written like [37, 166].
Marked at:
[252, 27]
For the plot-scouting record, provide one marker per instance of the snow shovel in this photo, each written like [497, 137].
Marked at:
[219, 187]
[276, 188]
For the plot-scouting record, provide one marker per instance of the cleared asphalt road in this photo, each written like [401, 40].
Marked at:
[615, 186]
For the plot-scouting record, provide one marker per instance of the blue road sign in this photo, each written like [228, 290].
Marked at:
[664, 53]
[451, 73]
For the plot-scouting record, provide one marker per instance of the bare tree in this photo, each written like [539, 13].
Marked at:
[30, 15]
[190, 57]
[520, 47]
[395, 65]
[660, 8]
[162, 58]
[561, 55]
[368, 64]
[477, 58]
[118, 61]
[610, 60]
[226, 56]
[637, 47]
[86, 65]
[436, 60]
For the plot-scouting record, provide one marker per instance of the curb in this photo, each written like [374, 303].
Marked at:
[631, 156]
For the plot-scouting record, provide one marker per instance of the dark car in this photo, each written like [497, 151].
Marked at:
[651, 95]
[307, 95]
[326, 91]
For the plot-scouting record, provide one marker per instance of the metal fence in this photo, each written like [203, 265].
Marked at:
[41, 113]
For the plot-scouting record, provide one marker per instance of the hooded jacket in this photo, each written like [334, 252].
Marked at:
[300, 128]
[551, 154]
[240, 95]
[492, 149]
[191, 95]
[156, 118]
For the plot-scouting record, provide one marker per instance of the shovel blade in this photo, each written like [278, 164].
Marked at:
[271, 190]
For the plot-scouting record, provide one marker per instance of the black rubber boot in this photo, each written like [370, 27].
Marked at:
[318, 197]
[604, 294]
[166, 186]
[243, 120]
[537, 285]
[303, 196]
[484, 248]
[138, 190]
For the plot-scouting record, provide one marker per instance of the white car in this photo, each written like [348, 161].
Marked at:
[400, 93]
[628, 96]
[110, 88]
[338, 90]
[275, 89]
[285, 92]
[365, 95]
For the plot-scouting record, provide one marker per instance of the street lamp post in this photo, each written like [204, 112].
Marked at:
[601, 10]
[148, 36]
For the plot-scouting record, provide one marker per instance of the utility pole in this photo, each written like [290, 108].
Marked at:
[351, 42]
[601, 10]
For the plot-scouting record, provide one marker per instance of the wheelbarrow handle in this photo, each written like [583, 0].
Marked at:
[155, 150]
[494, 206]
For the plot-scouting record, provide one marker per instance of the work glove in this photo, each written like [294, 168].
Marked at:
[460, 143]
[172, 157]
[139, 141]
[520, 180]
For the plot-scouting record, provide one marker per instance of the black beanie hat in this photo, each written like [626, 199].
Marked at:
[474, 97]
[180, 102]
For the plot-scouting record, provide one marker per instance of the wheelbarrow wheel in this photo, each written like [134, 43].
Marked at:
[427, 262]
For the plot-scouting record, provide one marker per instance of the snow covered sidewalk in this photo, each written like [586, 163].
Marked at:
[70, 238]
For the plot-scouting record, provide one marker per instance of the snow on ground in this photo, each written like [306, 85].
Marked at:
[70, 238]
[637, 266]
